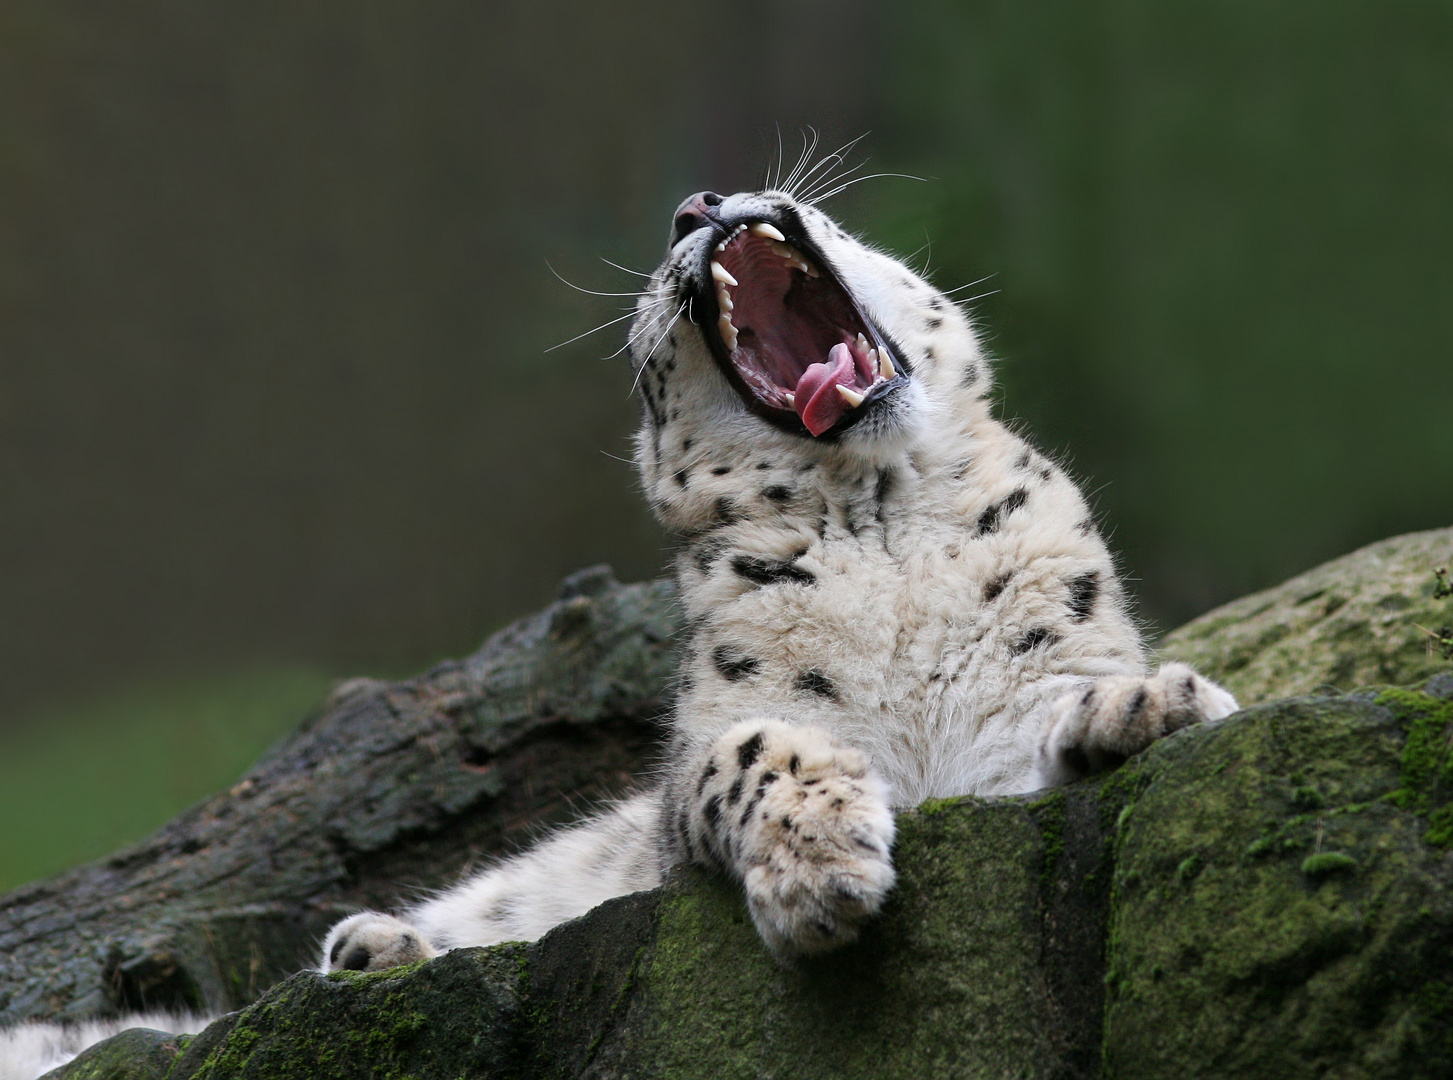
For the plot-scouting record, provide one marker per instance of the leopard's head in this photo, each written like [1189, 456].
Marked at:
[768, 327]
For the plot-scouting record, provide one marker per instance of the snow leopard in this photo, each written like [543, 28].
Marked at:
[889, 596]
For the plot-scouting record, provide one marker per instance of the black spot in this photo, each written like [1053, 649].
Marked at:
[685, 445]
[749, 751]
[1032, 638]
[1137, 703]
[1086, 527]
[1088, 698]
[1189, 686]
[822, 928]
[706, 774]
[764, 464]
[707, 552]
[996, 586]
[1083, 592]
[971, 374]
[793, 765]
[1047, 473]
[333, 952]
[936, 302]
[1023, 462]
[733, 664]
[761, 571]
[994, 514]
[735, 792]
[815, 682]
[725, 512]
[928, 352]
[681, 476]
[356, 960]
[777, 493]
[721, 470]
[933, 322]
[712, 812]
[762, 785]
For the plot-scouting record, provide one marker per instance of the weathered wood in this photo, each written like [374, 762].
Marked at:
[391, 788]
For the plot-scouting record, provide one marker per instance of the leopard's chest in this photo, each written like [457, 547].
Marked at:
[880, 633]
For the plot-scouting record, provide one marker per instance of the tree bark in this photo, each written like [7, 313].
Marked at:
[391, 788]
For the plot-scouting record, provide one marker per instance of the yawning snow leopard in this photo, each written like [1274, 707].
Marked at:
[889, 597]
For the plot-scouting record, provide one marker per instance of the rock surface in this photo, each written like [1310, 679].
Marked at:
[1356, 621]
[1268, 897]
[1260, 899]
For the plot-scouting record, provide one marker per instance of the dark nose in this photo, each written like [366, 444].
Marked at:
[693, 214]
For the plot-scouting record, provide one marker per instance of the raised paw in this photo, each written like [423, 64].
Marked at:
[1097, 728]
[807, 825]
[372, 941]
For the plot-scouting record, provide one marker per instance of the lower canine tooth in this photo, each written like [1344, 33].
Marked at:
[791, 400]
[852, 397]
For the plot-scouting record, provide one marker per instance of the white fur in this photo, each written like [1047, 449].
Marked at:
[921, 607]
[28, 1050]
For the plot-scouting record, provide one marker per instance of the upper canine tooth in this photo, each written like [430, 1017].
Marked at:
[721, 274]
[852, 397]
[885, 365]
[762, 228]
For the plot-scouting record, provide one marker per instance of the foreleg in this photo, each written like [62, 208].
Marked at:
[802, 821]
[1098, 727]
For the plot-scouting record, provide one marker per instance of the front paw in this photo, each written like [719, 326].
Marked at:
[1117, 716]
[372, 941]
[816, 847]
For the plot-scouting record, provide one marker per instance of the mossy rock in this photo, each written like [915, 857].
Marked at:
[1161, 921]
[1360, 620]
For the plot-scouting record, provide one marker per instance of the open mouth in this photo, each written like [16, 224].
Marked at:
[790, 337]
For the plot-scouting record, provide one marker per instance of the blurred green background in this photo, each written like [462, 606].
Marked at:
[274, 299]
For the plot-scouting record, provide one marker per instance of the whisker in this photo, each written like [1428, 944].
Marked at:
[829, 160]
[646, 362]
[807, 152]
[871, 176]
[980, 296]
[627, 269]
[592, 292]
[637, 336]
[970, 285]
[628, 315]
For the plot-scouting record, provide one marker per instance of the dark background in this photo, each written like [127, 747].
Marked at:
[274, 296]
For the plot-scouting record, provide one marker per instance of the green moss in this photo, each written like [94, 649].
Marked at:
[1049, 813]
[1188, 868]
[930, 807]
[1425, 783]
[1328, 862]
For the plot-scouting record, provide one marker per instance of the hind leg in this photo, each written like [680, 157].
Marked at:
[519, 899]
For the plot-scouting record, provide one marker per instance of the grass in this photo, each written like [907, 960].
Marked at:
[78, 781]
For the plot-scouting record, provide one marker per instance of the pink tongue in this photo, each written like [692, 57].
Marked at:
[816, 398]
